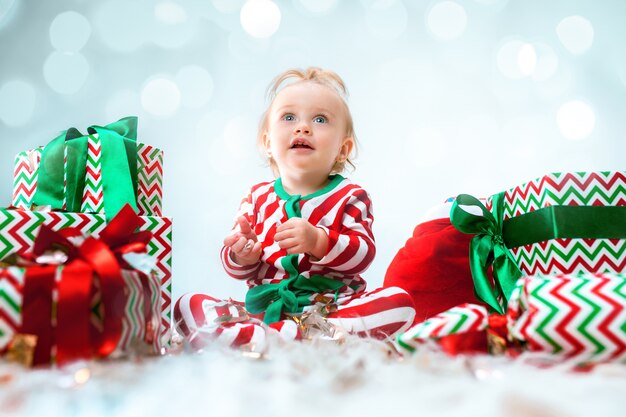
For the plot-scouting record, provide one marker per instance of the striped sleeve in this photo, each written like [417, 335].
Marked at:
[233, 269]
[351, 250]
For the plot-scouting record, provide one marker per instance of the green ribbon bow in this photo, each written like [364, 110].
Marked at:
[290, 295]
[119, 168]
[487, 249]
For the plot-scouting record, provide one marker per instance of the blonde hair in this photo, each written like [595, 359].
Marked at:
[312, 74]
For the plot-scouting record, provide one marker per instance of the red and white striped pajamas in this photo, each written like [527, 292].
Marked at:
[343, 210]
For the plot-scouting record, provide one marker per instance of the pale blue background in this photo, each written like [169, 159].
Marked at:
[436, 110]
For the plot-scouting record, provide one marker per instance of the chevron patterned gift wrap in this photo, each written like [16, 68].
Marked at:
[571, 314]
[149, 179]
[566, 256]
[141, 311]
[18, 229]
[575, 315]
[463, 318]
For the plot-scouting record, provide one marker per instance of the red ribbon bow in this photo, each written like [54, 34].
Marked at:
[91, 266]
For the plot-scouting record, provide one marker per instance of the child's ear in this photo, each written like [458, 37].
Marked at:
[346, 148]
[266, 143]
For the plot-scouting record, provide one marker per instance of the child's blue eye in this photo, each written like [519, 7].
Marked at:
[289, 117]
[320, 119]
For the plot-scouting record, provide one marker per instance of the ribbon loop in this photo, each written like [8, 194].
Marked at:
[486, 249]
[289, 295]
[60, 184]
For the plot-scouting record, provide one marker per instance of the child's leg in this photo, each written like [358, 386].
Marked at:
[202, 319]
[379, 313]
[199, 317]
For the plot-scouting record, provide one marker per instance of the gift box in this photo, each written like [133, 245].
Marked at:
[19, 228]
[571, 315]
[93, 162]
[560, 223]
[24, 326]
[73, 296]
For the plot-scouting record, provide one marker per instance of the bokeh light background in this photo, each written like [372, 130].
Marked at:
[448, 97]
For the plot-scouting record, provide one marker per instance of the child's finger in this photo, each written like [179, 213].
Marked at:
[282, 236]
[285, 226]
[245, 228]
[294, 249]
[287, 243]
[238, 246]
[231, 239]
[257, 249]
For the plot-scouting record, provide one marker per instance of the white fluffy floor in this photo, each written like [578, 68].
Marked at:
[356, 378]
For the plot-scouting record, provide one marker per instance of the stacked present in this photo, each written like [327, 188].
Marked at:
[546, 259]
[78, 193]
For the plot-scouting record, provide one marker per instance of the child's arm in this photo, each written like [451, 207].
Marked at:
[241, 252]
[350, 250]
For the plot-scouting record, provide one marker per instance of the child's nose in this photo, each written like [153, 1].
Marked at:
[303, 128]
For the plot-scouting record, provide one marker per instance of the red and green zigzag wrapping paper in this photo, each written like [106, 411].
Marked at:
[18, 229]
[133, 321]
[566, 256]
[149, 179]
[562, 314]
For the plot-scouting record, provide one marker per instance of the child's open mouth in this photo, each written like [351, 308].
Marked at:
[301, 144]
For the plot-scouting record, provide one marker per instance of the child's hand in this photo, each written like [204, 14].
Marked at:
[297, 235]
[245, 249]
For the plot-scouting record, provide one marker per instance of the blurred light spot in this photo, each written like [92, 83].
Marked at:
[172, 27]
[240, 136]
[170, 13]
[527, 59]
[69, 32]
[576, 34]
[6, 10]
[246, 49]
[196, 85]
[386, 19]
[510, 57]
[318, 6]
[447, 20]
[124, 31]
[65, 72]
[260, 18]
[576, 120]
[427, 147]
[82, 376]
[228, 6]
[547, 62]
[160, 97]
[17, 102]
[123, 103]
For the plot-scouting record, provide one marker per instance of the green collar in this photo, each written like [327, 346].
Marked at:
[334, 181]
